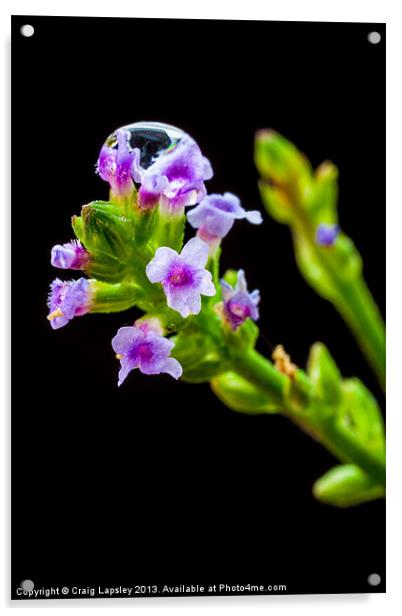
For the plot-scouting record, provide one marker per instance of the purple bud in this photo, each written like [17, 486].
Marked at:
[69, 256]
[326, 234]
[68, 299]
[145, 349]
[183, 277]
[238, 303]
[215, 215]
[119, 165]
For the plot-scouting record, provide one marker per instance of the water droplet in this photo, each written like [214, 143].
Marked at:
[152, 138]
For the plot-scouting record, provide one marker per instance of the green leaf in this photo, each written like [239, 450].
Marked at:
[361, 417]
[239, 395]
[324, 374]
[346, 485]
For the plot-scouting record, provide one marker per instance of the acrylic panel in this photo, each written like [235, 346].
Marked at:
[198, 214]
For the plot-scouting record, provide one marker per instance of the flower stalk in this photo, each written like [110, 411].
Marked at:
[306, 201]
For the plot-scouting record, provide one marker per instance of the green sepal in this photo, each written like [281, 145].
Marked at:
[276, 202]
[110, 239]
[169, 229]
[346, 485]
[324, 375]
[361, 418]
[115, 297]
[197, 355]
[239, 395]
[322, 204]
[103, 230]
[310, 265]
[144, 225]
[243, 338]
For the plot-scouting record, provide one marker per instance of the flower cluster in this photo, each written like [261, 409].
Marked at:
[169, 181]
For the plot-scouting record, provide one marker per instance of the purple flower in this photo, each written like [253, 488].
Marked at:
[326, 234]
[184, 277]
[215, 215]
[143, 348]
[68, 300]
[69, 256]
[176, 178]
[238, 303]
[119, 165]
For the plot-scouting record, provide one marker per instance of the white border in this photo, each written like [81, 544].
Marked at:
[296, 10]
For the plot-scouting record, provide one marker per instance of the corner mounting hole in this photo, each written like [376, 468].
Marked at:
[374, 38]
[374, 579]
[27, 30]
[27, 585]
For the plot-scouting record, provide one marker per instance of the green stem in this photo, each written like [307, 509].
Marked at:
[353, 301]
[282, 390]
[361, 313]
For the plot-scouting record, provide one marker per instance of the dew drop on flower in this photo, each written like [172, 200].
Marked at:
[152, 138]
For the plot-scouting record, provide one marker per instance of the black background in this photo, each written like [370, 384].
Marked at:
[157, 482]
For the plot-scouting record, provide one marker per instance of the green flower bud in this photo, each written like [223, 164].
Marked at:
[280, 163]
[115, 297]
[197, 355]
[239, 395]
[346, 485]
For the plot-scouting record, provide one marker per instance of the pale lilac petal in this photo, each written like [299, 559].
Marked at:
[241, 284]
[136, 169]
[126, 366]
[254, 216]
[158, 269]
[155, 183]
[227, 290]
[176, 300]
[69, 256]
[206, 286]
[172, 367]
[195, 252]
[193, 303]
[207, 171]
[125, 338]
[62, 256]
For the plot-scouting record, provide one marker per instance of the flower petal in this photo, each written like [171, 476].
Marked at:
[254, 216]
[195, 252]
[158, 269]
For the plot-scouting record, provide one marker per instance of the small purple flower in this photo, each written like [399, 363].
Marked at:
[215, 215]
[326, 234]
[119, 165]
[69, 256]
[184, 277]
[176, 178]
[68, 300]
[238, 303]
[143, 348]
